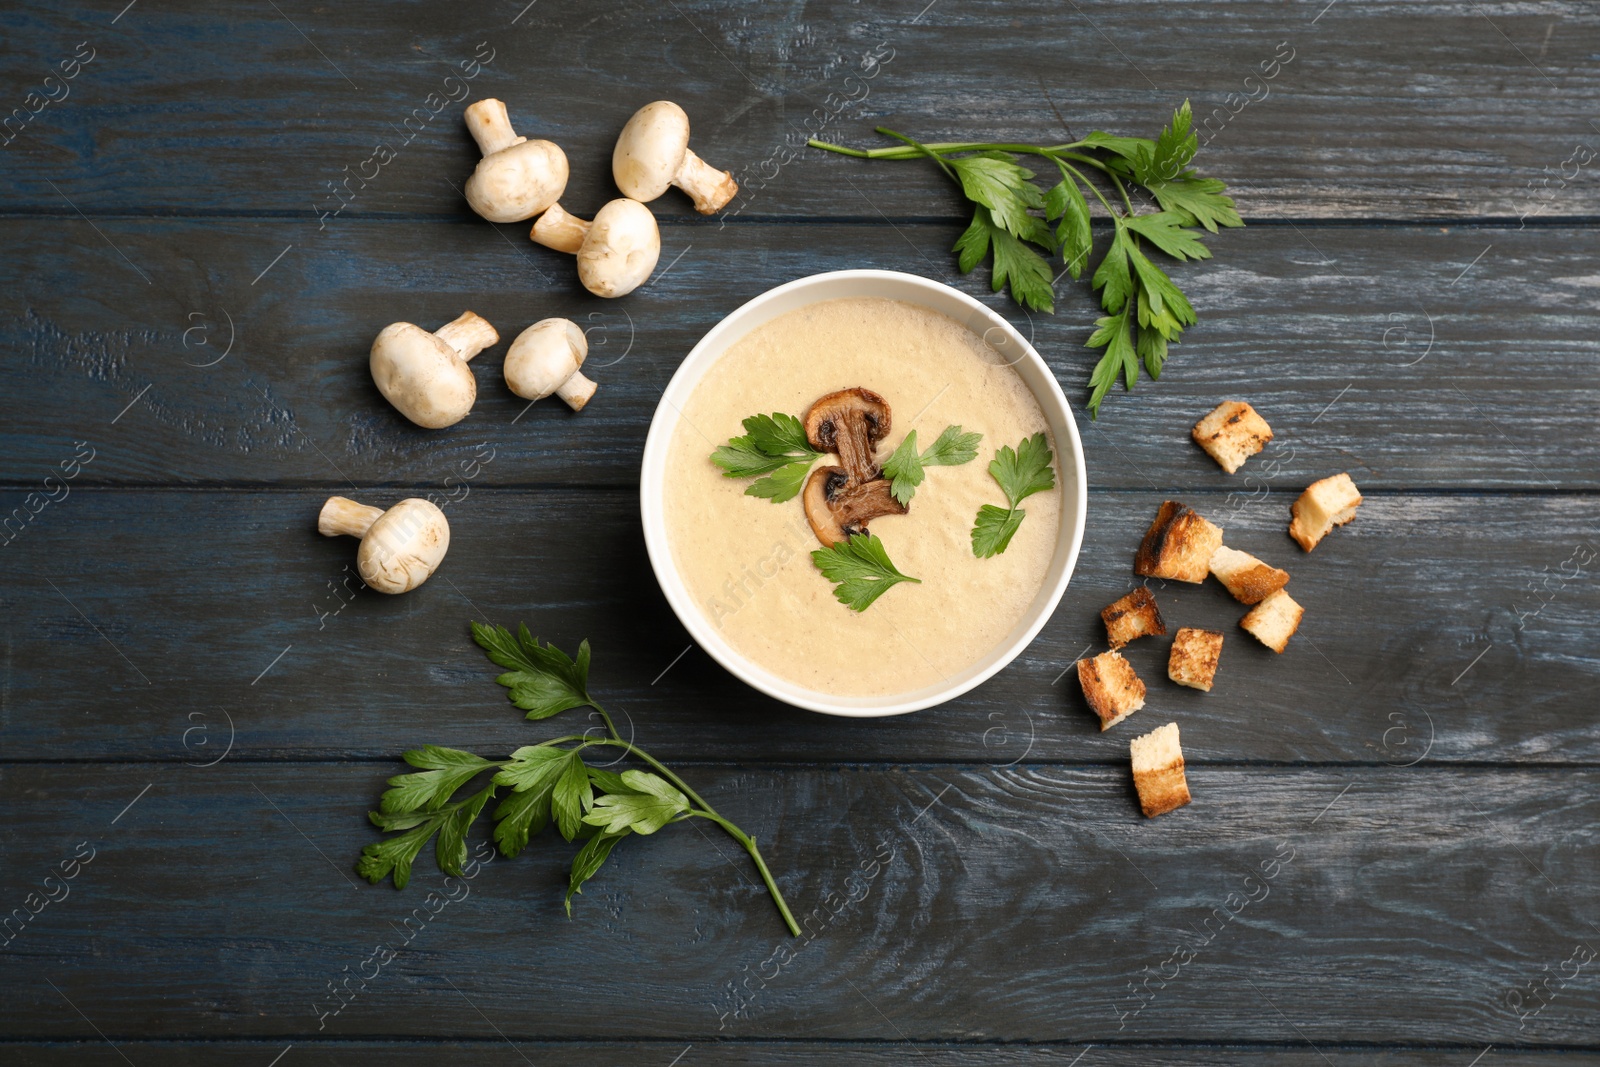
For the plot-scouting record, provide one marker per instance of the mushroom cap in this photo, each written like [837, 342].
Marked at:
[422, 376]
[650, 150]
[850, 423]
[838, 508]
[403, 547]
[824, 483]
[543, 356]
[620, 249]
[519, 182]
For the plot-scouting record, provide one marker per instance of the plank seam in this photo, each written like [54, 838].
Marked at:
[1477, 222]
[673, 1041]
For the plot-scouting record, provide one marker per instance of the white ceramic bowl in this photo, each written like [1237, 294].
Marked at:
[890, 285]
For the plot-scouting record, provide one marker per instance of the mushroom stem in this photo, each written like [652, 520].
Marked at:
[468, 335]
[544, 360]
[576, 390]
[559, 229]
[490, 126]
[710, 187]
[343, 517]
[850, 423]
[400, 547]
[838, 508]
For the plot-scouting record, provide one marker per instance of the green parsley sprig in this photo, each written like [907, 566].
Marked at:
[774, 445]
[543, 783]
[861, 567]
[904, 466]
[1021, 473]
[1144, 309]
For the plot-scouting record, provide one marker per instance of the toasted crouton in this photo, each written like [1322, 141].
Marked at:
[1274, 620]
[1193, 661]
[1178, 545]
[1324, 505]
[1232, 433]
[1134, 616]
[1158, 771]
[1112, 689]
[1247, 578]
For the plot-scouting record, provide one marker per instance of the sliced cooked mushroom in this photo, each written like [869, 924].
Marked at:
[400, 548]
[517, 178]
[850, 423]
[616, 252]
[839, 509]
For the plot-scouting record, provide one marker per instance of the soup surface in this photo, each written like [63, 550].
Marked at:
[747, 561]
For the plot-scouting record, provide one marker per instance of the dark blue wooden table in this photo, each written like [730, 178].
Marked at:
[193, 721]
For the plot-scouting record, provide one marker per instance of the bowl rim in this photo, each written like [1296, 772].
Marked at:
[715, 342]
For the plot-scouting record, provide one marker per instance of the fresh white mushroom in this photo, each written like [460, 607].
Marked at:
[425, 375]
[400, 547]
[545, 358]
[653, 153]
[517, 178]
[616, 252]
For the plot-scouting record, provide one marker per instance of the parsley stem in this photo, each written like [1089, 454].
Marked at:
[611, 727]
[936, 150]
[617, 742]
[940, 146]
[749, 844]
[1076, 173]
[920, 149]
[706, 811]
[1124, 191]
[556, 741]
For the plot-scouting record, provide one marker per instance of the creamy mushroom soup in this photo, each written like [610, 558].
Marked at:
[746, 561]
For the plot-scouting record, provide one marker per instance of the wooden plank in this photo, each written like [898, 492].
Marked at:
[990, 905]
[495, 1052]
[1448, 626]
[1383, 350]
[1348, 126]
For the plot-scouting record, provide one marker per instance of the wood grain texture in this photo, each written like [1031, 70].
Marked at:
[1374, 350]
[493, 1051]
[182, 690]
[989, 905]
[224, 607]
[1388, 108]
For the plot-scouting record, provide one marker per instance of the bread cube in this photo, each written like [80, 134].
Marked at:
[1178, 545]
[1324, 505]
[1274, 620]
[1134, 616]
[1247, 578]
[1158, 771]
[1193, 660]
[1112, 689]
[1232, 433]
